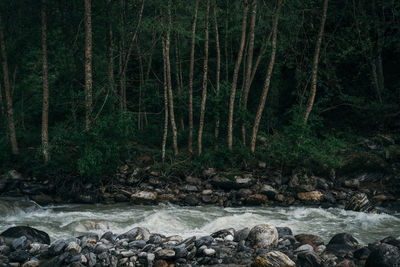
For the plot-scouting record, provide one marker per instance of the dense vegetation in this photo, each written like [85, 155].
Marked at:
[114, 80]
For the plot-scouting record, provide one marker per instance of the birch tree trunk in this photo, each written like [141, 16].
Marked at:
[10, 110]
[218, 74]
[191, 71]
[310, 102]
[267, 79]
[45, 80]
[235, 75]
[205, 72]
[88, 64]
[165, 85]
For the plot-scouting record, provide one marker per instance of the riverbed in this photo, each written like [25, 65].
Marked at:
[62, 221]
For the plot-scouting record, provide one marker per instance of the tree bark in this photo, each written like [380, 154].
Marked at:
[165, 85]
[226, 42]
[10, 110]
[267, 79]
[110, 49]
[218, 74]
[88, 64]
[235, 75]
[191, 71]
[45, 80]
[249, 66]
[3, 114]
[313, 90]
[170, 94]
[205, 73]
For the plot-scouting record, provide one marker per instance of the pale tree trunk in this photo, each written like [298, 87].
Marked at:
[205, 72]
[235, 75]
[141, 83]
[217, 121]
[170, 94]
[88, 64]
[247, 78]
[313, 90]
[110, 49]
[191, 71]
[10, 111]
[226, 42]
[267, 79]
[165, 85]
[45, 102]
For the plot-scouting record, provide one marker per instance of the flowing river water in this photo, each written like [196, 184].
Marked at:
[73, 220]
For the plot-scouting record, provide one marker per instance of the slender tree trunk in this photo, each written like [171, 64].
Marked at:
[313, 90]
[141, 83]
[249, 66]
[88, 64]
[121, 59]
[177, 78]
[170, 94]
[226, 42]
[165, 84]
[381, 78]
[267, 79]
[10, 111]
[235, 75]
[205, 73]
[218, 74]
[45, 102]
[191, 71]
[110, 49]
[3, 114]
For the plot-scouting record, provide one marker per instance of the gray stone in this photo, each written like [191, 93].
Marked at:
[242, 234]
[303, 248]
[73, 247]
[165, 254]
[144, 197]
[137, 233]
[209, 251]
[20, 243]
[263, 236]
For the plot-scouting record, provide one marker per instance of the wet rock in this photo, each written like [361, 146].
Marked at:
[144, 197]
[165, 254]
[263, 236]
[18, 256]
[269, 191]
[241, 234]
[346, 263]
[273, 259]
[209, 252]
[137, 233]
[20, 243]
[283, 231]
[101, 248]
[307, 239]
[391, 241]
[180, 251]
[204, 241]
[32, 234]
[108, 236]
[74, 248]
[362, 253]
[191, 200]
[384, 255]
[223, 233]
[341, 244]
[311, 196]
[31, 263]
[309, 259]
[303, 248]
[256, 200]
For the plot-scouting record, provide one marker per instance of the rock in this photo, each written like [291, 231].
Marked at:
[209, 172]
[31, 263]
[209, 251]
[391, 240]
[137, 233]
[311, 196]
[20, 243]
[127, 254]
[346, 263]
[360, 202]
[341, 244]
[74, 248]
[14, 175]
[32, 189]
[309, 259]
[165, 254]
[32, 234]
[191, 200]
[269, 191]
[160, 263]
[236, 182]
[302, 181]
[180, 251]
[303, 248]
[283, 231]
[42, 199]
[362, 253]
[167, 198]
[273, 259]
[144, 197]
[100, 248]
[263, 236]
[306, 239]
[384, 255]
[19, 256]
[256, 200]
[224, 233]
[192, 180]
[204, 241]
[353, 183]
[241, 234]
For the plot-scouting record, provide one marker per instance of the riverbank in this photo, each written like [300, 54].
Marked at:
[262, 245]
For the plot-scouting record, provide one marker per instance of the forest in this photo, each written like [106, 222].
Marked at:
[89, 85]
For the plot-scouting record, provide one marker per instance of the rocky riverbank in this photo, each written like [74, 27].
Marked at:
[359, 192]
[262, 245]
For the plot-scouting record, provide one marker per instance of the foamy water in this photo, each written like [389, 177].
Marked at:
[74, 220]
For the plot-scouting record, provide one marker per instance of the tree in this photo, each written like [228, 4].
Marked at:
[218, 73]
[110, 49]
[205, 72]
[191, 71]
[267, 79]
[165, 86]
[236, 74]
[313, 89]
[88, 64]
[10, 110]
[45, 80]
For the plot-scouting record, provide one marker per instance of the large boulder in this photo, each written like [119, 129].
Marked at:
[384, 255]
[263, 236]
[144, 197]
[273, 259]
[360, 202]
[32, 234]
